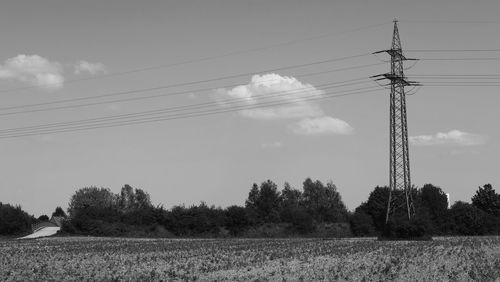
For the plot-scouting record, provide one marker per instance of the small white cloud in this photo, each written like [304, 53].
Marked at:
[273, 88]
[324, 125]
[91, 68]
[453, 137]
[33, 69]
[272, 145]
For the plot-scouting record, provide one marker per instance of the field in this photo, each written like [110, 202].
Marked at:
[112, 259]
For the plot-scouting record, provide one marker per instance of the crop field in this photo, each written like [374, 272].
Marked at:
[115, 259]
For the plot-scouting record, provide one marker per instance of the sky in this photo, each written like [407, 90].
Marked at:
[219, 60]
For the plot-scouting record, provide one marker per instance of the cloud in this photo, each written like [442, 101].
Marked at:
[91, 68]
[453, 137]
[324, 125]
[272, 88]
[33, 69]
[272, 145]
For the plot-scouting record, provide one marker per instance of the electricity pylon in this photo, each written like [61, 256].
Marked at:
[400, 198]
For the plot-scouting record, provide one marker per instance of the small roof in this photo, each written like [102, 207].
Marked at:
[57, 220]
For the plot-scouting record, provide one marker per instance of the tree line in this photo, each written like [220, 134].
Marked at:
[315, 210]
[432, 215]
[267, 212]
[14, 221]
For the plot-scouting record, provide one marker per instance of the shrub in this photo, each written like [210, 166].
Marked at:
[401, 228]
[302, 222]
[468, 219]
[14, 221]
[43, 217]
[362, 224]
[236, 220]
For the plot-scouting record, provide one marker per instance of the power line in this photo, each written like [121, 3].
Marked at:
[208, 58]
[141, 97]
[452, 50]
[178, 116]
[268, 70]
[455, 78]
[460, 59]
[458, 75]
[276, 94]
[455, 84]
[320, 87]
[149, 120]
[459, 79]
[449, 22]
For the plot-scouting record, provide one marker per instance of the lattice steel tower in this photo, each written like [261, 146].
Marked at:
[400, 198]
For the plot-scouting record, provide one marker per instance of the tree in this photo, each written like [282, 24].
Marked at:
[91, 198]
[361, 223]
[313, 198]
[301, 220]
[290, 197]
[432, 201]
[487, 200]
[337, 209]
[251, 204]
[468, 219]
[59, 212]
[263, 203]
[14, 221]
[98, 211]
[195, 220]
[268, 202]
[253, 197]
[236, 220]
[323, 203]
[126, 201]
[142, 199]
[131, 200]
[43, 217]
[399, 227]
[376, 206]
[290, 201]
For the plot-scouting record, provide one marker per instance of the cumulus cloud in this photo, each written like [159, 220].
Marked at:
[292, 95]
[273, 88]
[91, 68]
[33, 69]
[324, 125]
[454, 137]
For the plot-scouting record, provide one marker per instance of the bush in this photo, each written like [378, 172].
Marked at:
[302, 222]
[236, 220]
[43, 217]
[401, 228]
[59, 212]
[195, 221]
[362, 224]
[468, 219]
[14, 221]
[268, 230]
[333, 230]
